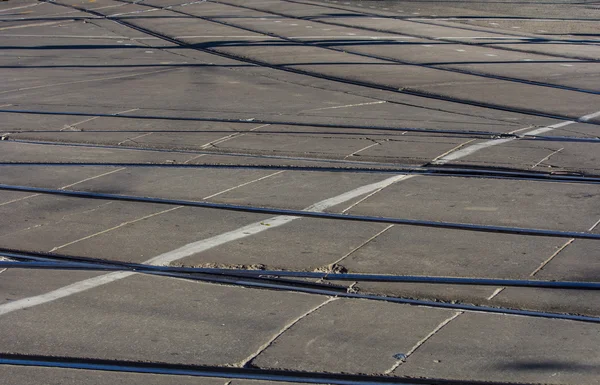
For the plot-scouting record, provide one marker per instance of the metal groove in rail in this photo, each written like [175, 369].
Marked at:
[308, 214]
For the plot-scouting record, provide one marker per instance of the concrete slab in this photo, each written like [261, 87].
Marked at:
[493, 202]
[576, 262]
[541, 156]
[164, 232]
[351, 336]
[180, 322]
[16, 284]
[304, 244]
[308, 188]
[504, 348]
[28, 152]
[20, 375]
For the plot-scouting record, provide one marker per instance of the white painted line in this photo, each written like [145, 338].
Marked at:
[589, 117]
[548, 128]
[494, 142]
[192, 248]
[470, 150]
[346, 106]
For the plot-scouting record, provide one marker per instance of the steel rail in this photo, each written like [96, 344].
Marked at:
[342, 292]
[446, 40]
[372, 56]
[338, 79]
[424, 171]
[308, 214]
[227, 372]
[468, 133]
[54, 263]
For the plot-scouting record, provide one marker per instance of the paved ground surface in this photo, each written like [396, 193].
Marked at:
[339, 84]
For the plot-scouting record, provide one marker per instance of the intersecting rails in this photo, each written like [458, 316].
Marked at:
[299, 191]
[345, 80]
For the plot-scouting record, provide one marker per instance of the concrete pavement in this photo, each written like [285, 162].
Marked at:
[303, 83]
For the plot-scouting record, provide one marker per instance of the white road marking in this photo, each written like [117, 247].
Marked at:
[192, 248]
[589, 117]
[160, 212]
[470, 150]
[346, 106]
[246, 231]
[494, 142]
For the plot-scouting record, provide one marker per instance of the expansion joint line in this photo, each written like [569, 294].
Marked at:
[403, 357]
[248, 360]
